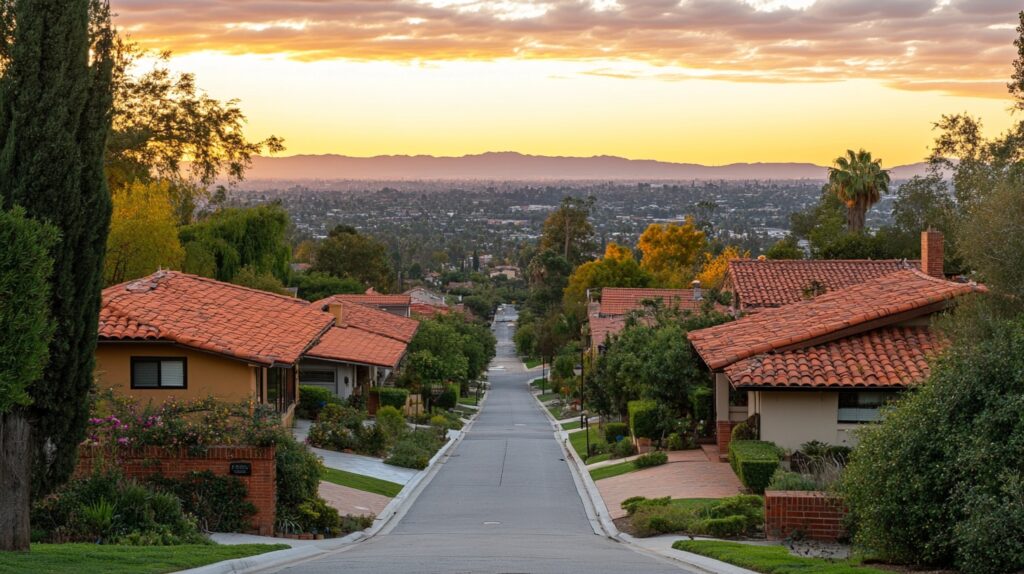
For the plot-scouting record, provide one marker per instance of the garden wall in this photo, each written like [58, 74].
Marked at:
[260, 483]
[723, 436]
[814, 515]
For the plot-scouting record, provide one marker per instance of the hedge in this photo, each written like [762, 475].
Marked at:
[312, 399]
[449, 398]
[643, 419]
[614, 431]
[391, 397]
[754, 462]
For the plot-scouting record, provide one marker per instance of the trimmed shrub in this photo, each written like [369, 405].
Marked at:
[623, 448]
[391, 396]
[217, 502]
[614, 431]
[656, 458]
[312, 400]
[675, 442]
[317, 516]
[346, 416]
[728, 527]
[743, 431]
[415, 449]
[754, 462]
[440, 422]
[786, 480]
[449, 398]
[298, 475]
[634, 503]
[727, 517]
[643, 419]
[372, 441]
[391, 422]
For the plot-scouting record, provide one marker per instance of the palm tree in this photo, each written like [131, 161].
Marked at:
[859, 182]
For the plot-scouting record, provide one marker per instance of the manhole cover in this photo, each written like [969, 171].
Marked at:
[491, 523]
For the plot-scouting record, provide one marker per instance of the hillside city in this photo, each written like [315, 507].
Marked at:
[227, 350]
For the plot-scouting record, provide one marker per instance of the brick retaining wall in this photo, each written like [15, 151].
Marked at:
[723, 435]
[812, 515]
[261, 485]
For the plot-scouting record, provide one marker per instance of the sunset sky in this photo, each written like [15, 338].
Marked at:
[704, 81]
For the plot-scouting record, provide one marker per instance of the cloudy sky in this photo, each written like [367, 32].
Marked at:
[708, 81]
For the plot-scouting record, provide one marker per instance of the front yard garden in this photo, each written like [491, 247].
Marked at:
[109, 559]
[361, 482]
[771, 559]
[735, 516]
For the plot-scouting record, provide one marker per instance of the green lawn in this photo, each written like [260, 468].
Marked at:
[578, 440]
[540, 383]
[531, 363]
[548, 397]
[599, 458]
[612, 470]
[771, 559]
[79, 558]
[571, 425]
[360, 482]
[468, 400]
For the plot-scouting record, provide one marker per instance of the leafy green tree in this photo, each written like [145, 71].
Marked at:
[548, 276]
[222, 244]
[992, 241]
[785, 248]
[924, 203]
[314, 285]
[670, 252]
[25, 267]
[248, 277]
[525, 339]
[165, 128]
[55, 101]
[567, 230]
[143, 235]
[859, 182]
[347, 253]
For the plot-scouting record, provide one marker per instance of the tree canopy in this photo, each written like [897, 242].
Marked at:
[618, 268]
[858, 181]
[223, 243]
[143, 233]
[346, 253]
[670, 251]
[568, 231]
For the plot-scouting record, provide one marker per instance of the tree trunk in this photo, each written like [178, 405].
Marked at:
[15, 489]
[855, 216]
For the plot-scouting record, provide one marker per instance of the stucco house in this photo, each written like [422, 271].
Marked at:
[607, 318]
[817, 368]
[363, 348]
[172, 334]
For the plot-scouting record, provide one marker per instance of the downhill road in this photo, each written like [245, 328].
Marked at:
[503, 502]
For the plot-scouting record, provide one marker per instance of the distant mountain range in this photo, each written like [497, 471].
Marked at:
[501, 166]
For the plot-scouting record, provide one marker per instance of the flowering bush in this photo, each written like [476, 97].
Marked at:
[194, 425]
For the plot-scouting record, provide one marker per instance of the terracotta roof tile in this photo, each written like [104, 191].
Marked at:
[354, 345]
[371, 299]
[601, 328]
[622, 300]
[832, 312]
[212, 316]
[890, 357]
[774, 283]
[374, 320]
[425, 310]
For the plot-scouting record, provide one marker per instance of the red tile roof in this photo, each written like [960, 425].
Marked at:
[211, 316]
[371, 299]
[774, 283]
[353, 345]
[840, 313]
[376, 321]
[890, 357]
[601, 328]
[425, 310]
[622, 300]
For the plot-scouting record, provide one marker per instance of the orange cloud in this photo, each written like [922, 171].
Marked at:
[962, 47]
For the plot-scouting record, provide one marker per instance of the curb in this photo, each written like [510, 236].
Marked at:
[601, 520]
[384, 522]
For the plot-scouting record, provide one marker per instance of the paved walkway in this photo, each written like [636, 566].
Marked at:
[503, 501]
[688, 474]
[351, 501]
[357, 463]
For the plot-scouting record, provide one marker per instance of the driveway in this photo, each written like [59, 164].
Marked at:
[504, 501]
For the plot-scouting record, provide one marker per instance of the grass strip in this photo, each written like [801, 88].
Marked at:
[79, 558]
[612, 470]
[361, 482]
[771, 559]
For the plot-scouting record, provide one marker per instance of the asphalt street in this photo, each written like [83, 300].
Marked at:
[503, 502]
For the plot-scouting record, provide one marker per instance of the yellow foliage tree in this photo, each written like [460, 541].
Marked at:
[670, 252]
[712, 274]
[618, 268]
[143, 233]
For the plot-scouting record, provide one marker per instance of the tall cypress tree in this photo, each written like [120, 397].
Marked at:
[55, 107]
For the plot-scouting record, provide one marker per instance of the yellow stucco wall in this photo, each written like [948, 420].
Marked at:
[791, 418]
[208, 374]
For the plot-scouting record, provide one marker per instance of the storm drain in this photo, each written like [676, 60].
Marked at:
[491, 523]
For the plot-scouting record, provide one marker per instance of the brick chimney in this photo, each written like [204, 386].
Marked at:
[338, 310]
[931, 253]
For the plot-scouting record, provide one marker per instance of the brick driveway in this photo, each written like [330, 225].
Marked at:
[688, 474]
[351, 501]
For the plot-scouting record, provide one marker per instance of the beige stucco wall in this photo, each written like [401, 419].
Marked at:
[208, 374]
[791, 418]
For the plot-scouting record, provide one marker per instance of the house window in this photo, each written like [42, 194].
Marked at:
[159, 373]
[317, 377]
[862, 406]
[280, 388]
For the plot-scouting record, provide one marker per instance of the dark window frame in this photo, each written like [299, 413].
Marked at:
[886, 395]
[159, 374]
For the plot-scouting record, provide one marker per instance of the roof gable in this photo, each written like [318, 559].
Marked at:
[760, 284]
[830, 316]
[375, 321]
[212, 316]
[353, 345]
